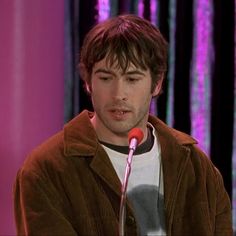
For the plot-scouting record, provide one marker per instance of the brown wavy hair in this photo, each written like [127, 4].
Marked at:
[122, 40]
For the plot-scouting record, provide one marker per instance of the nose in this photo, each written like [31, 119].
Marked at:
[118, 91]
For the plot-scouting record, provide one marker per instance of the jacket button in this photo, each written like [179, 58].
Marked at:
[130, 220]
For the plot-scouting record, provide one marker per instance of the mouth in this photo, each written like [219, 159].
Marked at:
[119, 114]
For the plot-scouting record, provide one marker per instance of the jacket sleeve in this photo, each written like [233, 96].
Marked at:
[38, 207]
[223, 220]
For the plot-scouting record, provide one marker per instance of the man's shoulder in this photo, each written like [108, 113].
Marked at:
[45, 154]
[170, 133]
[173, 138]
[55, 150]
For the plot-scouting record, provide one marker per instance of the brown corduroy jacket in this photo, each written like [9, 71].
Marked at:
[68, 186]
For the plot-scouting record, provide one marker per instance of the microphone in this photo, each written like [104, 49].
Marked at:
[135, 137]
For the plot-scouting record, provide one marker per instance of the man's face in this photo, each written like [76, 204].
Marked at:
[120, 99]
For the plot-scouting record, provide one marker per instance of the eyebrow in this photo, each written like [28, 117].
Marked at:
[104, 71]
[131, 72]
[135, 72]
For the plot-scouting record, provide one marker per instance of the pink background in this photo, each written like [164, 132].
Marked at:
[31, 86]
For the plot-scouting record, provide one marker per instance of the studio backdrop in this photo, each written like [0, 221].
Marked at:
[199, 89]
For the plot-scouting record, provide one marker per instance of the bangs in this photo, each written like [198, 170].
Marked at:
[122, 55]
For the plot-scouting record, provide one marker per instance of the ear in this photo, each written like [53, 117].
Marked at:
[85, 77]
[88, 88]
[83, 71]
[157, 90]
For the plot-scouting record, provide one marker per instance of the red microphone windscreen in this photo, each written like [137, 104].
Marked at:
[135, 133]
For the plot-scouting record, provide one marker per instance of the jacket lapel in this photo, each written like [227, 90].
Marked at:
[80, 140]
[174, 157]
[103, 167]
[174, 161]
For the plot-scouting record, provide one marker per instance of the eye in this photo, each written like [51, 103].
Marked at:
[104, 78]
[132, 80]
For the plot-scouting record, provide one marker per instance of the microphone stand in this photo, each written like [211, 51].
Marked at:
[122, 213]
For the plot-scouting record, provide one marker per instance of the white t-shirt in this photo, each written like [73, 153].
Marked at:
[145, 186]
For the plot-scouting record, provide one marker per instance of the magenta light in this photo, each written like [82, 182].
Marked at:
[103, 9]
[140, 8]
[154, 12]
[201, 74]
[234, 138]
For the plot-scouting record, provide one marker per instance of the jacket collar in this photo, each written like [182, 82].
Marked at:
[171, 134]
[80, 138]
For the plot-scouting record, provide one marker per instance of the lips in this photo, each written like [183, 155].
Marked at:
[119, 114]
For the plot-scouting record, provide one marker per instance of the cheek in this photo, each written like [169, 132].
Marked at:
[141, 100]
[99, 98]
[141, 94]
[100, 93]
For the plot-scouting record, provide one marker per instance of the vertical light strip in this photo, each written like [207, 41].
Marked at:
[154, 20]
[234, 134]
[18, 69]
[171, 69]
[140, 8]
[103, 7]
[154, 12]
[153, 17]
[200, 83]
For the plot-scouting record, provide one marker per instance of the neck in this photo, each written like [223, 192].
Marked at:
[108, 136]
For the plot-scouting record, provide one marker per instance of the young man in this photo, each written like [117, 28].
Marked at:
[71, 184]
